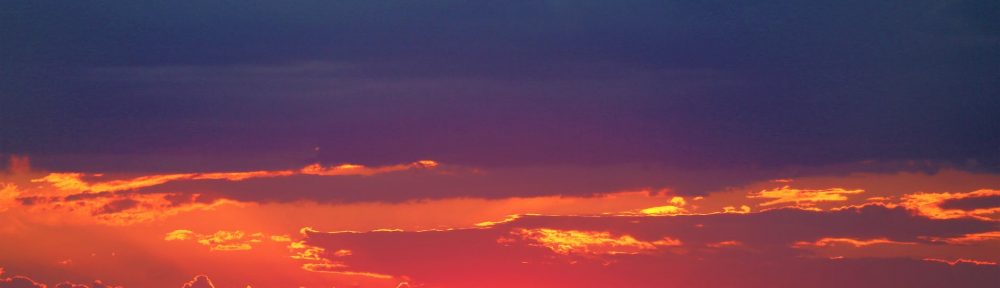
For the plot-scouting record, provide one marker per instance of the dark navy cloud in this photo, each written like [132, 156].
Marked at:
[166, 86]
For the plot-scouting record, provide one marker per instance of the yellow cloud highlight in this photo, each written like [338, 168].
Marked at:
[109, 200]
[744, 209]
[929, 204]
[221, 240]
[492, 223]
[281, 238]
[335, 268]
[961, 261]
[118, 209]
[240, 176]
[663, 210]
[802, 197]
[590, 242]
[179, 235]
[824, 242]
[969, 238]
[354, 169]
[676, 207]
[301, 251]
[75, 182]
[318, 263]
[723, 244]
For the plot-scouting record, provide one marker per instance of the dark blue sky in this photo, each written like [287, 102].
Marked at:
[128, 86]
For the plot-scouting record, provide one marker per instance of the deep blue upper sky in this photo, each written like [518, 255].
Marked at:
[126, 85]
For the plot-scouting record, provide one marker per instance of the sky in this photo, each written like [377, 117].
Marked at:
[499, 144]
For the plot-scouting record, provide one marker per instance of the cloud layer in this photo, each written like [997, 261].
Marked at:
[646, 251]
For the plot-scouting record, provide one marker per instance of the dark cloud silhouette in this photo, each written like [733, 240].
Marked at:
[19, 282]
[25, 282]
[972, 203]
[96, 284]
[200, 281]
[117, 206]
[99, 284]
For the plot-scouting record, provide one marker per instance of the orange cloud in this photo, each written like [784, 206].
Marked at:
[75, 183]
[8, 196]
[79, 197]
[932, 205]
[118, 209]
[589, 242]
[721, 244]
[802, 197]
[848, 241]
[969, 238]
[961, 261]
[240, 176]
[354, 169]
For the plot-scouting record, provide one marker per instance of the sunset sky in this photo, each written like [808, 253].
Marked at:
[455, 144]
